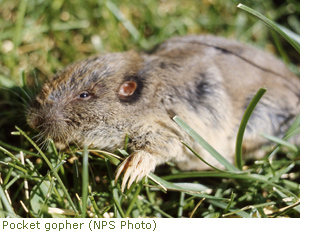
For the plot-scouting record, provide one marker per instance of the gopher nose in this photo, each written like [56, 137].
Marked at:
[41, 117]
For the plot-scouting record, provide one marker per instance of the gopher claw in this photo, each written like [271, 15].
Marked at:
[135, 167]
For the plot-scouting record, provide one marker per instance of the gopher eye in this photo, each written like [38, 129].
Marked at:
[127, 88]
[84, 95]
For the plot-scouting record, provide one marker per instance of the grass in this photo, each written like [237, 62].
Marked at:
[39, 38]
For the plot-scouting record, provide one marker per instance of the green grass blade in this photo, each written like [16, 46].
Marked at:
[282, 211]
[288, 200]
[196, 154]
[205, 145]
[2, 212]
[13, 165]
[23, 78]
[95, 206]
[126, 23]
[251, 207]
[44, 206]
[114, 159]
[15, 149]
[284, 171]
[223, 206]
[198, 174]
[294, 128]
[180, 208]
[156, 208]
[281, 142]
[272, 25]
[290, 33]
[118, 206]
[191, 190]
[7, 186]
[133, 201]
[6, 82]
[19, 23]
[52, 168]
[115, 192]
[8, 175]
[280, 48]
[248, 177]
[14, 158]
[261, 212]
[5, 202]
[243, 125]
[85, 181]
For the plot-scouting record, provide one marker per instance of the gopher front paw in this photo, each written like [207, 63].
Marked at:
[135, 167]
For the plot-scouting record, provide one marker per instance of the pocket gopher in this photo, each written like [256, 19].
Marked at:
[208, 81]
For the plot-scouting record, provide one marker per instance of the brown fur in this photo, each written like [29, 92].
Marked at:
[208, 81]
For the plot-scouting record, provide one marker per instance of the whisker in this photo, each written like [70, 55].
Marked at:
[17, 94]
[26, 94]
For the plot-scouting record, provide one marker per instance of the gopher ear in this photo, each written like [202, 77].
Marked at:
[127, 89]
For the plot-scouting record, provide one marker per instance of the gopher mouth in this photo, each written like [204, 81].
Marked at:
[60, 145]
[50, 126]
